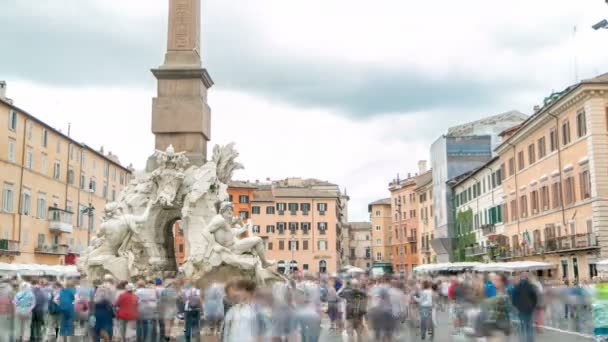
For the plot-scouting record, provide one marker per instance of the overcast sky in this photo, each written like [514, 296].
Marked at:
[342, 90]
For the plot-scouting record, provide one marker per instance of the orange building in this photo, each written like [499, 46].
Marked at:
[180, 245]
[404, 233]
[241, 194]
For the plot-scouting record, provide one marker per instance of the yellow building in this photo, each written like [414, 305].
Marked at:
[426, 226]
[380, 217]
[47, 181]
[555, 182]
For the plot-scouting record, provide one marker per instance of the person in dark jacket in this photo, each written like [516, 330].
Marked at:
[39, 312]
[525, 300]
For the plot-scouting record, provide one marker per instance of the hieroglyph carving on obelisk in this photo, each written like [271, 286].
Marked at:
[180, 114]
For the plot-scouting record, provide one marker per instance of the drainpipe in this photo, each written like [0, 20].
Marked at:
[559, 163]
[19, 201]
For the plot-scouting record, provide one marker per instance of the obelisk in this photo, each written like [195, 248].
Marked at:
[180, 113]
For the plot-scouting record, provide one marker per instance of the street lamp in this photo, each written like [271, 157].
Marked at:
[292, 245]
[90, 211]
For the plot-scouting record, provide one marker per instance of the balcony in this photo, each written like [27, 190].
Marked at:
[425, 249]
[571, 243]
[9, 247]
[60, 221]
[411, 239]
[474, 251]
[488, 229]
[52, 249]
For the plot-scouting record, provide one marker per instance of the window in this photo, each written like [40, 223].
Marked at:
[244, 215]
[113, 194]
[70, 176]
[322, 245]
[378, 213]
[45, 137]
[305, 245]
[57, 170]
[565, 133]
[269, 247]
[556, 192]
[553, 139]
[513, 210]
[534, 201]
[322, 227]
[322, 266]
[293, 227]
[569, 194]
[41, 206]
[293, 245]
[544, 197]
[80, 221]
[585, 184]
[378, 228]
[531, 154]
[269, 229]
[68, 206]
[114, 174]
[92, 185]
[520, 160]
[305, 227]
[270, 210]
[12, 120]
[7, 198]
[378, 242]
[26, 205]
[523, 206]
[256, 229]
[82, 159]
[511, 166]
[106, 168]
[322, 208]
[305, 207]
[542, 152]
[29, 158]
[12, 155]
[378, 256]
[43, 164]
[41, 240]
[104, 192]
[58, 146]
[230, 198]
[181, 248]
[581, 124]
[281, 245]
[243, 199]
[30, 130]
[122, 178]
[255, 210]
[293, 208]
[281, 227]
[83, 181]
[281, 208]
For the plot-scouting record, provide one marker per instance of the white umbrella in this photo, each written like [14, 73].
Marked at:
[353, 270]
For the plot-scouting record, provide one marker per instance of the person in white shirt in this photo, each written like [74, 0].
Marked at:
[241, 322]
[425, 303]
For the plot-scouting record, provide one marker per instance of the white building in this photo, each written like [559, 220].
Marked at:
[480, 191]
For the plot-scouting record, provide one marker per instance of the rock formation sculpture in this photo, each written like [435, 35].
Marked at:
[136, 237]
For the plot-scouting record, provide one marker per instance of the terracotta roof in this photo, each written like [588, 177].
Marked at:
[384, 201]
[304, 192]
[242, 184]
[262, 196]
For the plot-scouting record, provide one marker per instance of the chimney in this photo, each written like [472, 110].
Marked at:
[3, 90]
[536, 108]
[422, 167]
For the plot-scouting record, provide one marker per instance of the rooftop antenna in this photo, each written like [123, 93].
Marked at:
[69, 128]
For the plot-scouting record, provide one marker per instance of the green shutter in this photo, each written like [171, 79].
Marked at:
[499, 213]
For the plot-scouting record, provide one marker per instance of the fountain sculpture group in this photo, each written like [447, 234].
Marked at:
[135, 239]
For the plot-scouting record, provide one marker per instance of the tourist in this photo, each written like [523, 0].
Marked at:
[66, 300]
[24, 302]
[127, 313]
[381, 315]
[308, 309]
[147, 307]
[104, 314]
[525, 299]
[283, 313]
[332, 306]
[54, 316]
[158, 329]
[40, 311]
[191, 297]
[241, 324]
[213, 308]
[495, 321]
[6, 310]
[82, 308]
[356, 309]
[167, 308]
[424, 299]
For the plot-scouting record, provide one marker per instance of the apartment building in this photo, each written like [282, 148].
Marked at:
[404, 233]
[555, 182]
[299, 220]
[424, 192]
[240, 194]
[479, 202]
[360, 246]
[381, 226]
[53, 189]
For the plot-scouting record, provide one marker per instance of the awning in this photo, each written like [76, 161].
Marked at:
[37, 270]
[449, 266]
[514, 266]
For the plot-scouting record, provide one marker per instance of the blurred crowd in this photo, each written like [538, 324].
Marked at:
[353, 308]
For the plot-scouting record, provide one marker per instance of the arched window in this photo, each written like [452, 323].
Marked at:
[322, 266]
[293, 266]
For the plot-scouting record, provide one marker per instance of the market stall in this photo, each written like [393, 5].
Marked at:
[446, 267]
[36, 270]
[514, 266]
